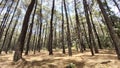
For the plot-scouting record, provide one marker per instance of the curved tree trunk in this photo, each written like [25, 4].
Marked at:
[30, 33]
[21, 40]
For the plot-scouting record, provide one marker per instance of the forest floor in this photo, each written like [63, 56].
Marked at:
[105, 59]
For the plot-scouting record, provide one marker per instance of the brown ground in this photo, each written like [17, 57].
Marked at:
[105, 59]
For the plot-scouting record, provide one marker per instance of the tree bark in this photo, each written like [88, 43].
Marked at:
[51, 31]
[78, 28]
[68, 31]
[31, 27]
[89, 26]
[113, 35]
[63, 44]
[21, 40]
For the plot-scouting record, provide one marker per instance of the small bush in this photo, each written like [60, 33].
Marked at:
[71, 65]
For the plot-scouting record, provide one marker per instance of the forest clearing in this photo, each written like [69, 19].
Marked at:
[105, 59]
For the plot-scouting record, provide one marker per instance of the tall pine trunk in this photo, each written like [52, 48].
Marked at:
[63, 44]
[50, 41]
[21, 40]
[30, 33]
[39, 39]
[68, 31]
[78, 28]
[89, 26]
[113, 35]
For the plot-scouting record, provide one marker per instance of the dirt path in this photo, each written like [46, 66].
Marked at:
[105, 59]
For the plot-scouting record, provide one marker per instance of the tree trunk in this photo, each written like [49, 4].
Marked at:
[68, 32]
[5, 20]
[51, 31]
[21, 40]
[3, 6]
[39, 40]
[30, 33]
[63, 44]
[78, 28]
[13, 30]
[117, 5]
[113, 35]
[89, 26]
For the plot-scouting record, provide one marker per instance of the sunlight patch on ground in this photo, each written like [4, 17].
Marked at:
[59, 60]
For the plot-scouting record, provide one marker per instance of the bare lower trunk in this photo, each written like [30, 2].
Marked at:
[21, 40]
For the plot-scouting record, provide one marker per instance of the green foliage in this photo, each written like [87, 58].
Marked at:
[71, 65]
